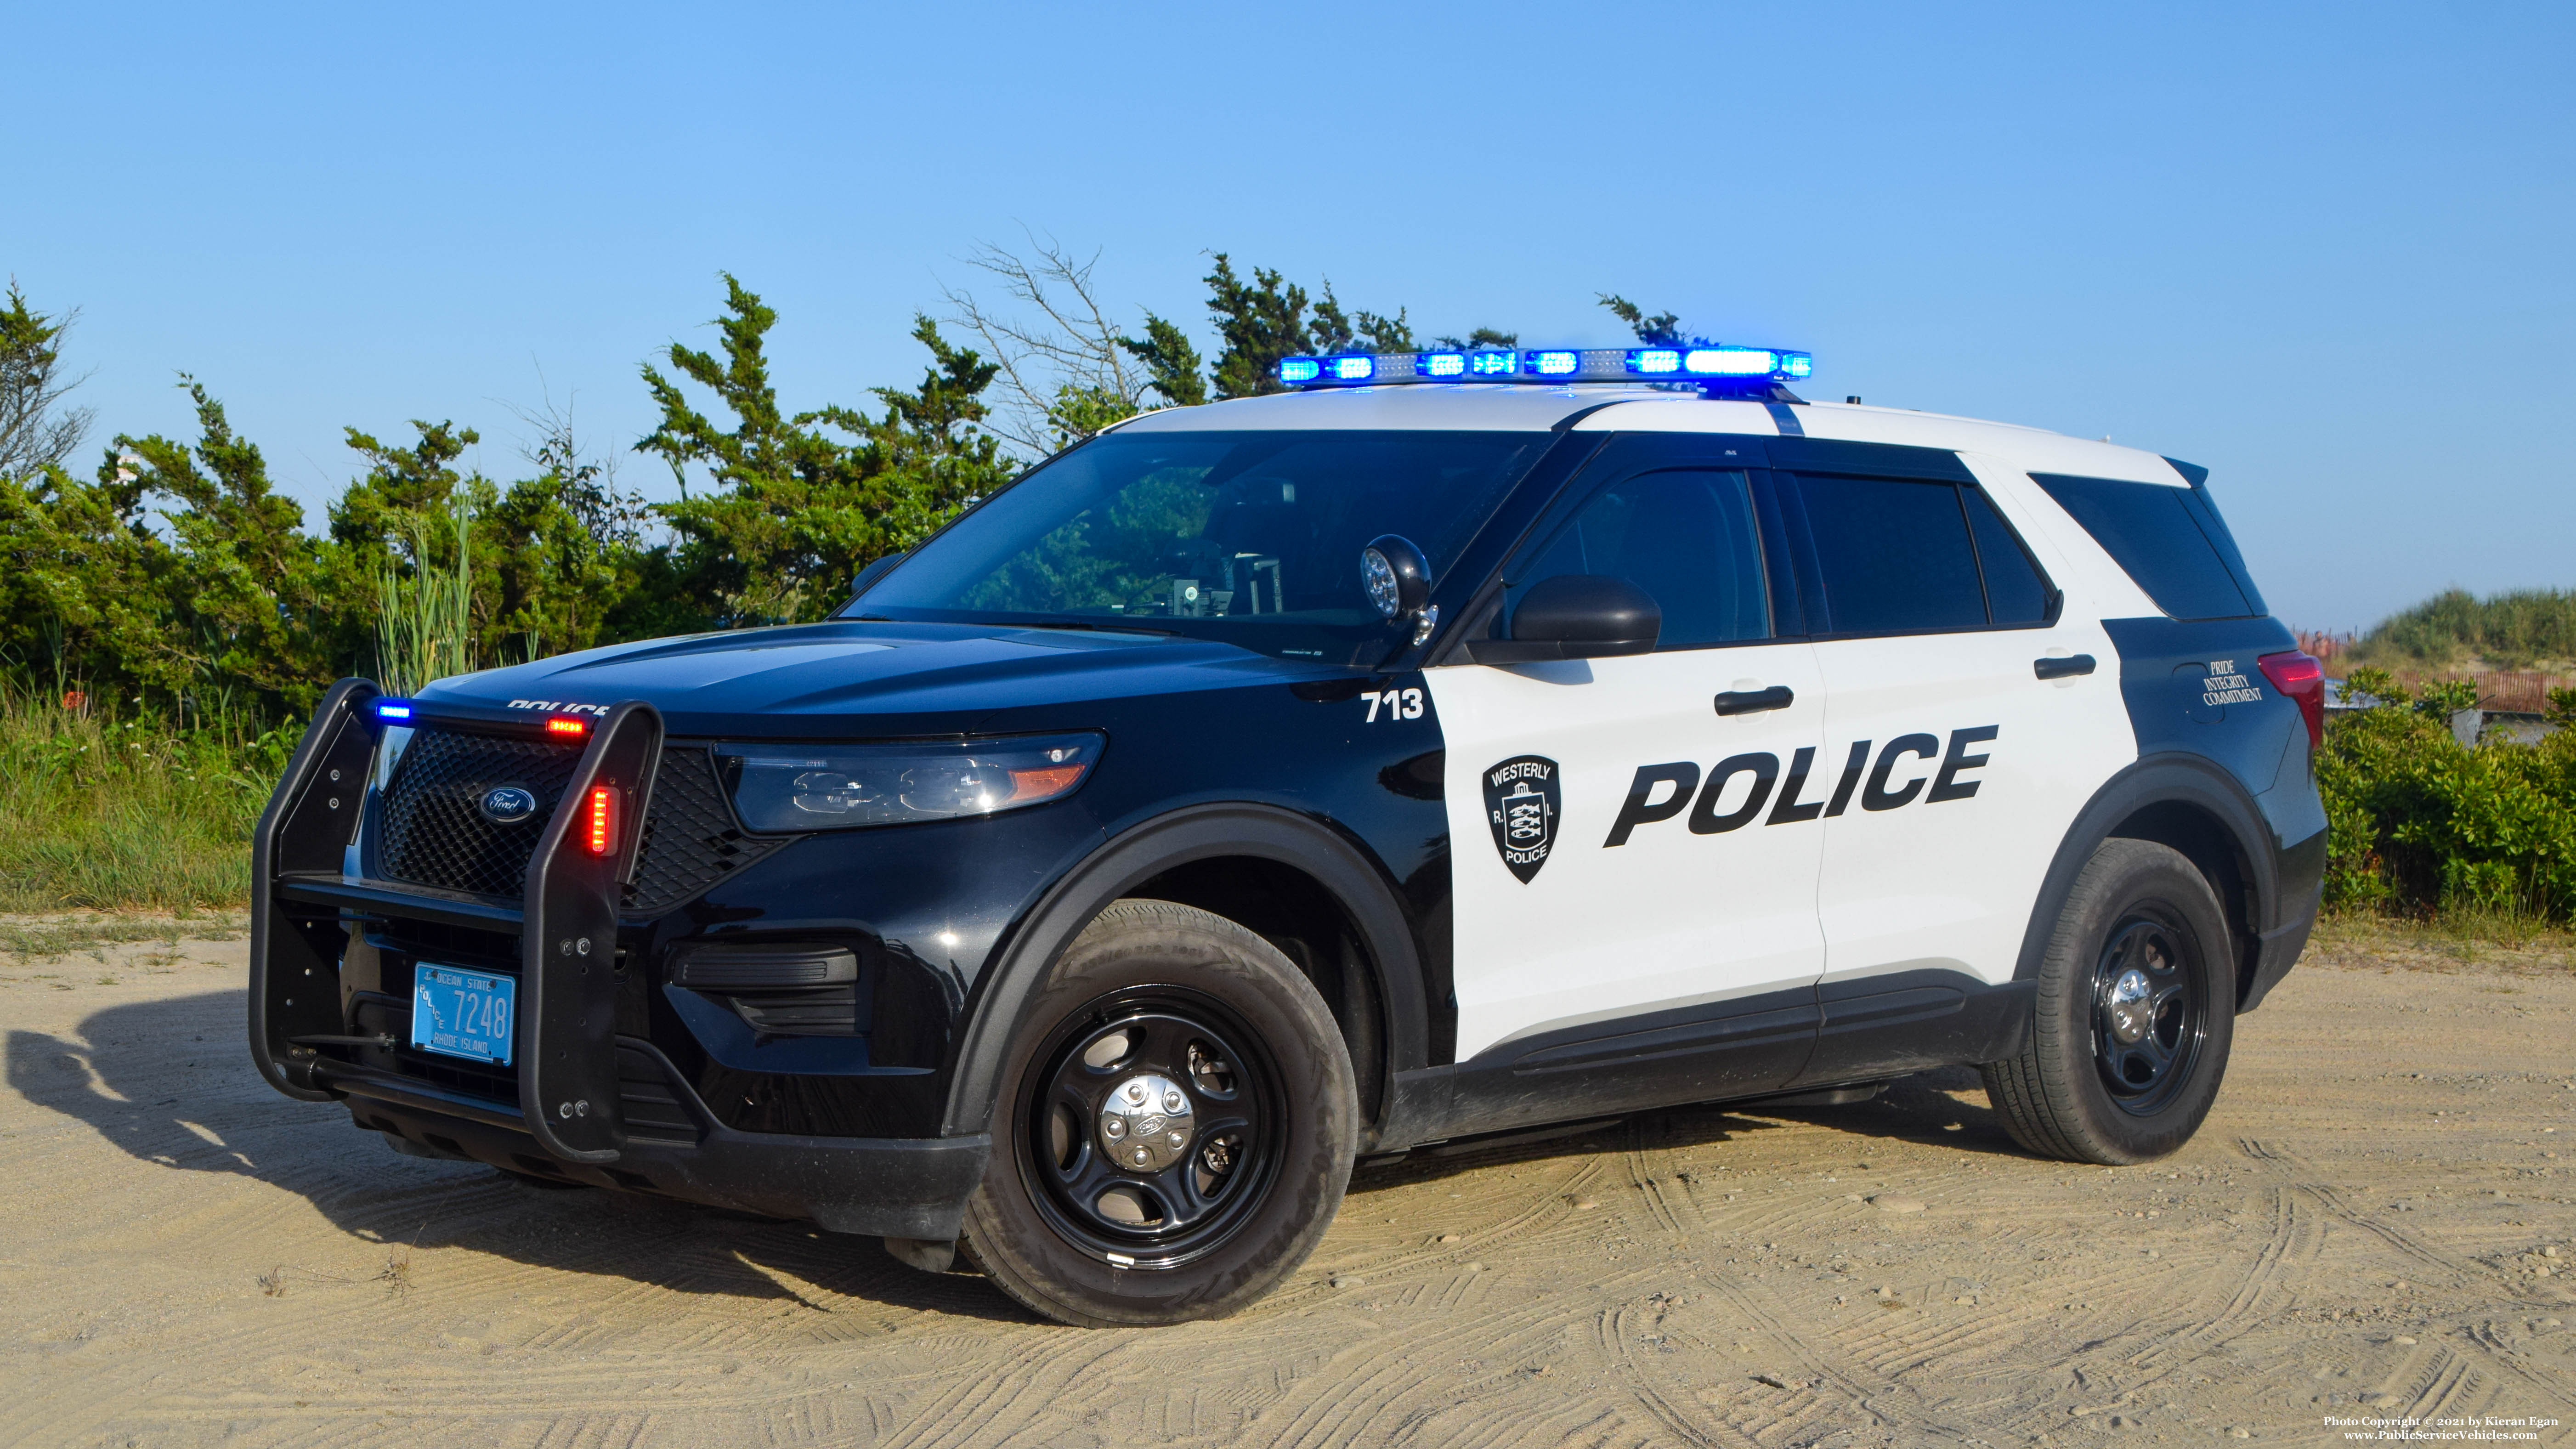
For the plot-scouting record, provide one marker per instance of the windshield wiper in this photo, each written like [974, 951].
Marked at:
[1121, 627]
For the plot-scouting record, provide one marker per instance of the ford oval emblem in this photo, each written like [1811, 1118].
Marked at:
[508, 804]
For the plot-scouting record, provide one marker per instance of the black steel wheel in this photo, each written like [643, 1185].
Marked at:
[1154, 1128]
[2148, 1016]
[2134, 1011]
[1175, 1124]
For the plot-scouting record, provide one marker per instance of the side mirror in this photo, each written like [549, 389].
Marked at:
[873, 572]
[1576, 616]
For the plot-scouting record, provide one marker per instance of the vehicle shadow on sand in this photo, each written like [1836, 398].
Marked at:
[171, 1082]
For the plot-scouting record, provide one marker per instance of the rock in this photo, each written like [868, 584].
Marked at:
[1887, 1204]
[1349, 1280]
[1446, 1238]
[1475, 1267]
[2240, 1432]
[2405, 1339]
[2386, 1401]
[1584, 1204]
[1774, 1380]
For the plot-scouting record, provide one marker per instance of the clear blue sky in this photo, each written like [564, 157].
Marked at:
[2323, 250]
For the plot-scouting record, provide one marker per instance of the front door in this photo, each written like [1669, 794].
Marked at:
[1624, 908]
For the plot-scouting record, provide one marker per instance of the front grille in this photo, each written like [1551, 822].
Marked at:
[690, 840]
[434, 832]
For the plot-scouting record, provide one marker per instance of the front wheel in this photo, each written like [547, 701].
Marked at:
[1181, 1122]
[2136, 1009]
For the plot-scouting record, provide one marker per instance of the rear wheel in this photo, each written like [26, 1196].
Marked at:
[2135, 1012]
[1181, 1120]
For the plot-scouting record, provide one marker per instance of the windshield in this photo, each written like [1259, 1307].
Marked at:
[1253, 538]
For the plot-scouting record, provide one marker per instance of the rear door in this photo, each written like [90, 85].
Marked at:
[1957, 767]
[1621, 910]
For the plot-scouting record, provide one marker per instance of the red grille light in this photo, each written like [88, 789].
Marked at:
[2301, 677]
[567, 729]
[601, 820]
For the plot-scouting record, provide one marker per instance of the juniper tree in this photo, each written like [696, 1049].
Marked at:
[791, 510]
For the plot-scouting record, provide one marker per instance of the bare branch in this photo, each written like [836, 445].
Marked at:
[1058, 339]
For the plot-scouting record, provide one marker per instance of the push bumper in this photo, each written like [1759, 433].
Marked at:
[591, 1106]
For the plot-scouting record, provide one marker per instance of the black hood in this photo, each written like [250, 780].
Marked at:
[842, 679]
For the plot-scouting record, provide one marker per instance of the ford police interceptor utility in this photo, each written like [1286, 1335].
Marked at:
[1456, 743]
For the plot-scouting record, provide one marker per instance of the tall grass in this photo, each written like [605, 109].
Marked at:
[2512, 631]
[106, 809]
[425, 623]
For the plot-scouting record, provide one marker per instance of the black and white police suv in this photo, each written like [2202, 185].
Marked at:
[1457, 743]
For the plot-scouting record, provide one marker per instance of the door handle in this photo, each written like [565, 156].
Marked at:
[1752, 701]
[2062, 668]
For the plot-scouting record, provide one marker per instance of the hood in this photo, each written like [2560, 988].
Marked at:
[852, 678]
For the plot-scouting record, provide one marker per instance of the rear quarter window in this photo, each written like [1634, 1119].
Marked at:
[2168, 539]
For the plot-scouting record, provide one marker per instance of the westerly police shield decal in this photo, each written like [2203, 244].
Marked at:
[1522, 804]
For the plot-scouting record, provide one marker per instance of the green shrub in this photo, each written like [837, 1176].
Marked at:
[2418, 822]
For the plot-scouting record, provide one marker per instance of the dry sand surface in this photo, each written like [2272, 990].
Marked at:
[2372, 1225]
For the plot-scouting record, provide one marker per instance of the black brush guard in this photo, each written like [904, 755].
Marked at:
[566, 1044]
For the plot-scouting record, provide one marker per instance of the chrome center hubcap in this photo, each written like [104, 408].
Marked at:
[1146, 1124]
[2131, 1015]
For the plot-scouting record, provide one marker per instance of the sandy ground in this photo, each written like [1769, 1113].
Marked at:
[2364, 1229]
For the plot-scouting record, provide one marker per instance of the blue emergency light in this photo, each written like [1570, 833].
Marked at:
[1710, 366]
[393, 709]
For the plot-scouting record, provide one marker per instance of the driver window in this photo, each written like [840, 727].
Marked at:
[1687, 538]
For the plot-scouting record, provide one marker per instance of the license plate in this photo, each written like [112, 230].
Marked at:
[461, 1013]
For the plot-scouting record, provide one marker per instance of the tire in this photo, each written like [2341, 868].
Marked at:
[2135, 1012]
[1155, 1004]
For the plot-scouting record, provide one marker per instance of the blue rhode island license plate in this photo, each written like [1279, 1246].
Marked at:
[461, 1013]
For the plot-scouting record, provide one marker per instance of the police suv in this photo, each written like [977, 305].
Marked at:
[1455, 743]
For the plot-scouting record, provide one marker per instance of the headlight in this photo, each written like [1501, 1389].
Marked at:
[829, 787]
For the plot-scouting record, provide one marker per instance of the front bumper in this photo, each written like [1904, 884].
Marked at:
[585, 1103]
[894, 1187]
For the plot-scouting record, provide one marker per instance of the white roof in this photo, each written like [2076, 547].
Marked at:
[1512, 407]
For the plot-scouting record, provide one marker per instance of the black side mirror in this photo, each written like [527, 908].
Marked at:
[873, 572]
[1576, 616]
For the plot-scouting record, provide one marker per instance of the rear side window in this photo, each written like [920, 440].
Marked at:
[1894, 555]
[2016, 592]
[2168, 539]
[1687, 538]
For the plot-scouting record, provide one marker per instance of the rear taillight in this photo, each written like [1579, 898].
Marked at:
[2299, 676]
[600, 820]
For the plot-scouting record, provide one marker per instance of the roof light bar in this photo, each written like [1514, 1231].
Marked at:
[1707, 364]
